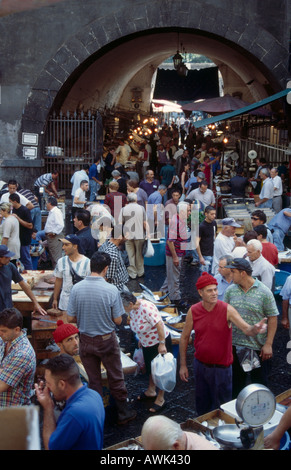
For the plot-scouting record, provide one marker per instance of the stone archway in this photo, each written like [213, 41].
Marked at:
[232, 38]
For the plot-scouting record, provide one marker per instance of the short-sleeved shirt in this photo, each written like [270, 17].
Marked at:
[24, 232]
[80, 194]
[117, 273]
[178, 235]
[81, 423]
[149, 187]
[254, 305]
[62, 271]
[144, 323]
[94, 302]
[286, 290]
[207, 232]
[17, 370]
[44, 180]
[8, 273]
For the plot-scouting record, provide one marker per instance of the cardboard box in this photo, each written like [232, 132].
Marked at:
[19, 428]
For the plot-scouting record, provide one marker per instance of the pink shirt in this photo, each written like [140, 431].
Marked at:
[144, 323]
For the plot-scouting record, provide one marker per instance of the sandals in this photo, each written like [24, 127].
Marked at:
[157, 408]
[144, 397]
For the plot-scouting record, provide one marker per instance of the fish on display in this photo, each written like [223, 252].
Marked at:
[148, 291]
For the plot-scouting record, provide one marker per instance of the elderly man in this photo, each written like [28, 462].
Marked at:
[254, 302]
[149, 184]
[224, 276]
[54, 229]
[133, 217]
[267, 191]
[278, 190]
[202, 194]
[161, 433]
[211, 319]
[225, 242]
[262, 268]
[279, 226]
[17, 360]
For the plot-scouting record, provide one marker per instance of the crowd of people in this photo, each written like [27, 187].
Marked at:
[163, 191]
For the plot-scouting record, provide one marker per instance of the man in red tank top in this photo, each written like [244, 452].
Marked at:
[211, 320]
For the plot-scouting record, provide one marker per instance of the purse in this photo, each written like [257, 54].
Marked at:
[75, 276]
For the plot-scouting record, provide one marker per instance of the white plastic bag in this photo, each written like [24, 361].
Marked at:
[163, 368]
[139, 359]
[148, 249]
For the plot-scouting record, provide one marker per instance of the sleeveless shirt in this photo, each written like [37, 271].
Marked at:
[213, 336]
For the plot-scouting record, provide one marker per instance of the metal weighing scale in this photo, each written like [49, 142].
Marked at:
[255, 406]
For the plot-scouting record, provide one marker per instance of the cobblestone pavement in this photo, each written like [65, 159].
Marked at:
[180, 402]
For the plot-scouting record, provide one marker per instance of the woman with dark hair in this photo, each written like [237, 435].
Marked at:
[146, 322]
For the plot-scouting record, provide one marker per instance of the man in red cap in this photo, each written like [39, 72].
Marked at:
[211, 320]
[66, 336]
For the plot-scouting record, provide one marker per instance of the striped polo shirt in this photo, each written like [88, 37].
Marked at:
[94, 302]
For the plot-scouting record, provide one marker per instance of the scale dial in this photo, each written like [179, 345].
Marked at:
[255, 404]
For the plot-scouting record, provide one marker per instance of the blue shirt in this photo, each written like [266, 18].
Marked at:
[81, 424]
[281, 221]
[222, 286]
[93, 172]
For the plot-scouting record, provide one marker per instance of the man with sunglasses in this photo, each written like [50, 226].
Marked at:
[258, 217]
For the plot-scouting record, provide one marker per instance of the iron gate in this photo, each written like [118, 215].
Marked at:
[71, 140]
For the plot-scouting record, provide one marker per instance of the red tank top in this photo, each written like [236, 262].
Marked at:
[213, 336]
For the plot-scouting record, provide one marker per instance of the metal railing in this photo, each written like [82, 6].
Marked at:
[71, 140]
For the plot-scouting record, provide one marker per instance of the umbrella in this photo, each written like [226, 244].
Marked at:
[221, 105]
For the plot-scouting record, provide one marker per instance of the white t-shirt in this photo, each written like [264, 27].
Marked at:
[81, 195]
[23, 200]
[62, 271]
[10, 228]
[223, 245]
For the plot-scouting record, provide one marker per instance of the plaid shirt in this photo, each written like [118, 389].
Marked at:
[117, 273]
[17, 370]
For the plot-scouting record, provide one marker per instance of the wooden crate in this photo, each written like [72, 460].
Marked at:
[128, 442]
[284, 398]
[212, 418]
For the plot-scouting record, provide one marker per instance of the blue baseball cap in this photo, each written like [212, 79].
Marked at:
[5, 253]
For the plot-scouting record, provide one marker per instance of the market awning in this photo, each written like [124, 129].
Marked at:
[244, 110]
[165, 106]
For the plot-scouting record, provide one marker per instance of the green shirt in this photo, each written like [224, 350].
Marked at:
[254, 305]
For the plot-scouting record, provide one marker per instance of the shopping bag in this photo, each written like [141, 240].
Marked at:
[148, 249]
[163, 369]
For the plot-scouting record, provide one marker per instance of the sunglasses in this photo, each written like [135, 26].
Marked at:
[255, 218]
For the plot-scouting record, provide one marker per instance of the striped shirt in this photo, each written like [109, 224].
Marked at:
[17, 370]
[62, 271]
[254, 305]
[44, 180]
[94, 302]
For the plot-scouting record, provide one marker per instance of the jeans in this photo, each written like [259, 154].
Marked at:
[36, 218]
[105, 349]
[25, 257]
[213, 386]
[94, 188]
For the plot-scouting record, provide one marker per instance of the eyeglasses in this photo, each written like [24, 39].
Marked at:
[255, 218]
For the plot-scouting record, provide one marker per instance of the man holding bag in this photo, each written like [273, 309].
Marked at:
[211, 320]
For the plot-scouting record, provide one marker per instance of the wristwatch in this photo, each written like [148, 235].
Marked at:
[162, 342]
